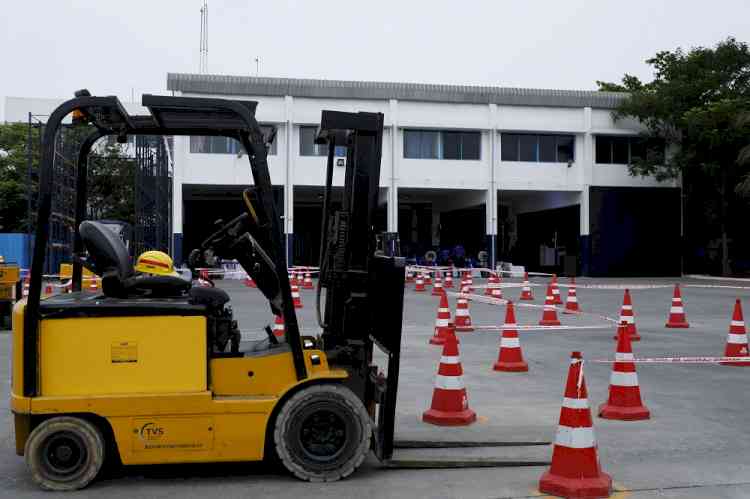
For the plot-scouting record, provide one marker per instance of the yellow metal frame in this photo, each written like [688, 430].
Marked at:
[221, 414]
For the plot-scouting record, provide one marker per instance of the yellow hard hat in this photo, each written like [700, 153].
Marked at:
[155, 262]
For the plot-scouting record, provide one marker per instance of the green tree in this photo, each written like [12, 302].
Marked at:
[697, 104]
[13, 173]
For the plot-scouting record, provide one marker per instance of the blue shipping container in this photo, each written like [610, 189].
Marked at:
[14, 248]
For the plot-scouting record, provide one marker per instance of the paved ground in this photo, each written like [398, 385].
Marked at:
[696, 444]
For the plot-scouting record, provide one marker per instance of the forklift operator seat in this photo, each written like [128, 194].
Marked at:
[109, 258]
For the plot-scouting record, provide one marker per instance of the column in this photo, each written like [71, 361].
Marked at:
[586, 172]
[289, 180]
[392, 177]
[491, 194]
[181, 146]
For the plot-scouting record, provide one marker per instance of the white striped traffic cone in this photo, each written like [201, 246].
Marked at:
[278, 326]
[437, 288]
[510, 357]
[575, 469]
[557, 299]
[307, 282]
[526, 288]
[627, 316]
[450, 404]
[463, 318]
[442, 322]
[571, 304]
[737, 338]
[677, 317]
[624, 402]
[419, 284]
[296, 300]
[549, 313]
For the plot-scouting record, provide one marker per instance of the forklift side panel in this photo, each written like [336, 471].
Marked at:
[118, 355]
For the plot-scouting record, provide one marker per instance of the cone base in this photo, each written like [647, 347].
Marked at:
[600, 486]
[609, 411]
[444, 418]
[680, 325]
[527, 298]
[439, 293]
[549, 322]
[512, 367]
[568, 311]
[736, 364]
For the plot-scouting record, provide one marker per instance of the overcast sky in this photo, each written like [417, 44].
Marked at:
[50, 48]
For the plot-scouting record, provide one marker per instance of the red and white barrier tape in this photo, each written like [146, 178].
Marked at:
[675, 360]
[535, 327]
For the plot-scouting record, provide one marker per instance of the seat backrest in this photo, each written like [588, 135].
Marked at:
[108, 256]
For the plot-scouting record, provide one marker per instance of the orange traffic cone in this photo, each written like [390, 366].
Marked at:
[676, 312]
[448, 280]
[490, 281]
[624, 401]
[497, 292]
[307, 282]
[450, 406]
[428, 278]
[628, 317]
[571, 304]
[278, 326]
[442, 322]
[510, 357]
[556, 291]
[737, 338]
[295, 296]
[410, 277]
[437, 289]
[526, 288]
[469, 282]
[48, 290]
[93, 285]
[575, 469]
[250, 283]
[419, 284]
[549, 315]
[463, 318]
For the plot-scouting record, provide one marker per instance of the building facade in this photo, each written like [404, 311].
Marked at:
[536, 177]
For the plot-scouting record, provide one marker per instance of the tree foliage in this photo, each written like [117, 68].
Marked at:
[698, 103]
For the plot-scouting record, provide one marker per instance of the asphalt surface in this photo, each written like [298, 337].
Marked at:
[696, 444]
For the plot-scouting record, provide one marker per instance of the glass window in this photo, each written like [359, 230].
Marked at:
[603, 149]
[528, 147]
[620, 153]
[421, 144]
[509, 147]
[223, 145]
[565, 148]
[471, 145]
[547, 148]
[451, 145]
[637, 149]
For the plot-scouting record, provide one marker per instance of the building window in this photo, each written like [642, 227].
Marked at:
[308, 147]
[537, 148]
[224, 145]
[612, 149]
[443, 144]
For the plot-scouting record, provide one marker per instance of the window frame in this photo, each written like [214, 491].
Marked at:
[611, 139]
[517, 138]
[461, 136]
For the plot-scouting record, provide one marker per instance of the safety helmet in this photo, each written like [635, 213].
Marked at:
[155, 262]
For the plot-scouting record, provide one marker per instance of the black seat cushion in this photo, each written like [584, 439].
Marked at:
[159, 285]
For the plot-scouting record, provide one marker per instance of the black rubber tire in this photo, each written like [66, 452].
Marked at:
[309, 407]
[83, 441]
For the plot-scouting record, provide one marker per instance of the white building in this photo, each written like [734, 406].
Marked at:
[528, 175]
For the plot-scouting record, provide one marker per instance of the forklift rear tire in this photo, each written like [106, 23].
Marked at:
[64, 453]
[322, 433]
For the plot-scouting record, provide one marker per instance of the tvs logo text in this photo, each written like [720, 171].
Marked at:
[151, 431]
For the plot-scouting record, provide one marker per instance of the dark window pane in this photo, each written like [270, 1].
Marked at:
[565, 148]
[471, 145]
[547, 148]
[411, 143]
[451, 145]
[198, 145]
[603, 150]
[509, 147]
[307, 141]
[637, 149]
[529, 147]
[620, 150]
[429, 147]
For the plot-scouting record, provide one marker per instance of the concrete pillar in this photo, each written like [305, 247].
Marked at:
[492, 187]
[289, 179]
[587, 173]
[435, 227]
[392, 178]
[181, 147]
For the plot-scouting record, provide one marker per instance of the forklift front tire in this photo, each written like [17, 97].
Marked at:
[64, 453]
[322, 433]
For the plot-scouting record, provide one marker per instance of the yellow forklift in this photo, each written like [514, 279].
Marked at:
[151, 370]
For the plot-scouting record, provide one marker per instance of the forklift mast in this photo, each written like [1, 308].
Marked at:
[364, 285]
